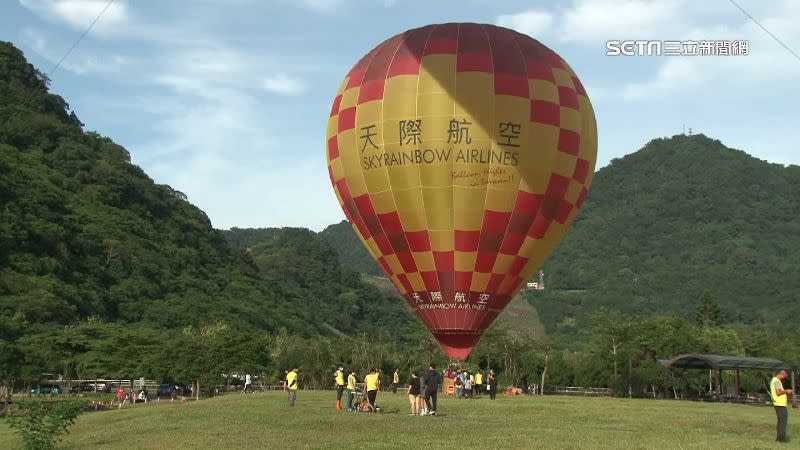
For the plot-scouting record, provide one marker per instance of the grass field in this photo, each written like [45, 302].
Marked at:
[264, 421]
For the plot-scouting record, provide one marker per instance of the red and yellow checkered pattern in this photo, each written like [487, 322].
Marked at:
[461, 153]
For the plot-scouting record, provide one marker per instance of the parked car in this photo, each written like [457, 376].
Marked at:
[46, 389]
[87, 386]
[165, 389]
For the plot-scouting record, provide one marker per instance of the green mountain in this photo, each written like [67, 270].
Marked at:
[351, 251]
[86, 234]
[659, 227]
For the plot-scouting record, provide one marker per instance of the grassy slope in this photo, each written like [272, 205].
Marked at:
[263, 421]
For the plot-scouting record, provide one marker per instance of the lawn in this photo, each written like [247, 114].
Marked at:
[264, 421]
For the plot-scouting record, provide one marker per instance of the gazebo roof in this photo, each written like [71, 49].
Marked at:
[698, 361]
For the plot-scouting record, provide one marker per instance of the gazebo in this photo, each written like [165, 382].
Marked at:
[718, 363]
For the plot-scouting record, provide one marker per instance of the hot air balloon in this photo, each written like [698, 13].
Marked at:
[460, 154]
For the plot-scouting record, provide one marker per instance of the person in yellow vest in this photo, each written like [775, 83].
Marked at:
[291, 385]
[372, 383]
[395, 380]
[478, 383]
[351, 388]
[338, 384]
[779, 401]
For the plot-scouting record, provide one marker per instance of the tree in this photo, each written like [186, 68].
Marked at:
[708, 313]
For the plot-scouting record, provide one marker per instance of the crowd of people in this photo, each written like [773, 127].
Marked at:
[422, 388]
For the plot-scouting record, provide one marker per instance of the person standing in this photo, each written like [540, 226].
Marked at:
[422, 388]
[247, 382]
[291, 385]
[431, 389]
[338, 384]
[414, 394]
[395, 380]
[478, 383]
[779, 397]
[492, 379]
[351, 388]
[373, 383]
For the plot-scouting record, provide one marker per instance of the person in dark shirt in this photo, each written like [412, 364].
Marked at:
[492, 384]
[414, 394]
[431, 389]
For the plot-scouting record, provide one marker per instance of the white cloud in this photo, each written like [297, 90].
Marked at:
[533, 23]
[283, 84]
[79, 14]
[597, 21]
[80, 63]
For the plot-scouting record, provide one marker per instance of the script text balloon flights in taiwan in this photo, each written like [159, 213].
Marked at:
[461, 153]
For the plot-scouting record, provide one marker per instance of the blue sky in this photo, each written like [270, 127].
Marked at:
[227, 101]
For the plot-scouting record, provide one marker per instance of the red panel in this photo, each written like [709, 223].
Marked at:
[512, 242]
[540, 226]
[555, 60]
[581, 198]
[383, 244]
[519, 224]
[379, 66]
[370, 90]
[431, 280]
[408, 57]
[562, 213]
[356, 74]
[398, 242]
[557, 186]
[404, 281]
[506, 54]
[517, 265]
[567, 97]
[515, 85]
[443, 40]
[549, 208]
[544, 112]
[485, 261]
[418, 241]
[495, 221]
[463, 281]
[581, 170]
[527, 203]
[539, 70]
[446, 280]
[490, 241]
[347, 119]
[333, 148]
[578, 86]
[474, 53]
[444, 261]
[494, 282]
[391, 222]
[569, 142]
[407, 261]
[466, 241]
[336, 103]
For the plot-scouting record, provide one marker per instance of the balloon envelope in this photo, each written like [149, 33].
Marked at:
[460, 154]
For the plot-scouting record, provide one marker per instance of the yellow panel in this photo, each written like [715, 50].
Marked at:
[416, 281]
[500, 200]
[479, 281]
[408, 199]
[343, 86]
[338, 197]
[383, 202]
[393, 263]
[399, 285]
[435, 104]
[563, 164]
[367, 138]
[424, 261]
[336, 169]
[413, 220]
[543, 90]
[465, 261]
[528, 246]
[503, 263]
[349, 98]
[442, 240]
[369, 113]
[571, 119]
[468, 204]
[352, 171]
[588, 147]
[333, 127]
[377, 180]
[406, 174]
[563, 78]
[475, 100]
[439, 207]
[373, 249]
[437, 175]
[437, 73]
[399, 97]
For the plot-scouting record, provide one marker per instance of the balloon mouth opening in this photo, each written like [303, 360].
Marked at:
[457, 344]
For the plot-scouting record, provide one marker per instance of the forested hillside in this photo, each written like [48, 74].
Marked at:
[88, 240]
